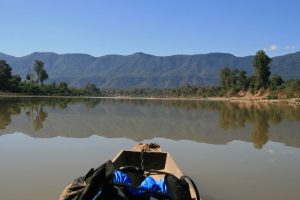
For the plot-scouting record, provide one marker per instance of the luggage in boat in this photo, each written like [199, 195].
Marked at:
[142, 173]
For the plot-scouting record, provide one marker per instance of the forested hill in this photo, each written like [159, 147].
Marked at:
[144, 70]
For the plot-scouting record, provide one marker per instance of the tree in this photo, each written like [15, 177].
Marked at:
[14, 83]
[261, 63]
[234, 77]
[225, 73]
[229, 78]
[5, 75]
[63, 88]
[251, 80]
[91, 89]
[44, 76]
[275, 82]
[40, 71]
[28, 77]
[63, 85]
[242, 81]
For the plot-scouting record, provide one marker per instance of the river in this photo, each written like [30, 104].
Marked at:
[233, 151]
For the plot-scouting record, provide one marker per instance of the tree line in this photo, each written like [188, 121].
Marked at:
[34, 83]
[232, 82]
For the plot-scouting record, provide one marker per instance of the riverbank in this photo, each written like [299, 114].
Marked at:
[291, 101]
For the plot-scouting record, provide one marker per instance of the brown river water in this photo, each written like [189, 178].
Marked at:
[232, 151]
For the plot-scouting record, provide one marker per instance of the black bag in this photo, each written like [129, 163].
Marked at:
[87, 187]
[178, 188]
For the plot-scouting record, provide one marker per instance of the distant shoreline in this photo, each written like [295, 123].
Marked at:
[291, 101]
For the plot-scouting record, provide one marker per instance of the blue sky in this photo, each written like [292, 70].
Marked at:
[159, 27]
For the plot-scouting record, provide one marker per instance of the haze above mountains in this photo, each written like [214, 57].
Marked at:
[144, 70]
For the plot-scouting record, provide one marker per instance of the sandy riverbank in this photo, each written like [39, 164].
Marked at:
[292, 101]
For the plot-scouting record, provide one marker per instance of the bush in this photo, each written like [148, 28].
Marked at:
[275, 82]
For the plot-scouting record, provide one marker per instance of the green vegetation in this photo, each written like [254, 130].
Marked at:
[233, 82]
[8, 82]
[262, 70]
[34, 83]
[40, 71]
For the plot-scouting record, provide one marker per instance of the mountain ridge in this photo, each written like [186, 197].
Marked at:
[145, 70]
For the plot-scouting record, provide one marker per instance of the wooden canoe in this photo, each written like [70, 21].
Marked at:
[153, 159]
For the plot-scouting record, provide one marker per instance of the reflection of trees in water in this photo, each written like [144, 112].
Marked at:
[234, 116]
[6, 111]
[91, 103]
[231, 115]
[38, 116]
[34, 108]
[260, 129]
[11, 107]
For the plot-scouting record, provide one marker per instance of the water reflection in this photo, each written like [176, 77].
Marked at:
[200, 121]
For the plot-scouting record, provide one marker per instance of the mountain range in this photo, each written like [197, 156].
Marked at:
[144, 70]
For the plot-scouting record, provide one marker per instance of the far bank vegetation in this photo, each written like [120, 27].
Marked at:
[233, 83]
